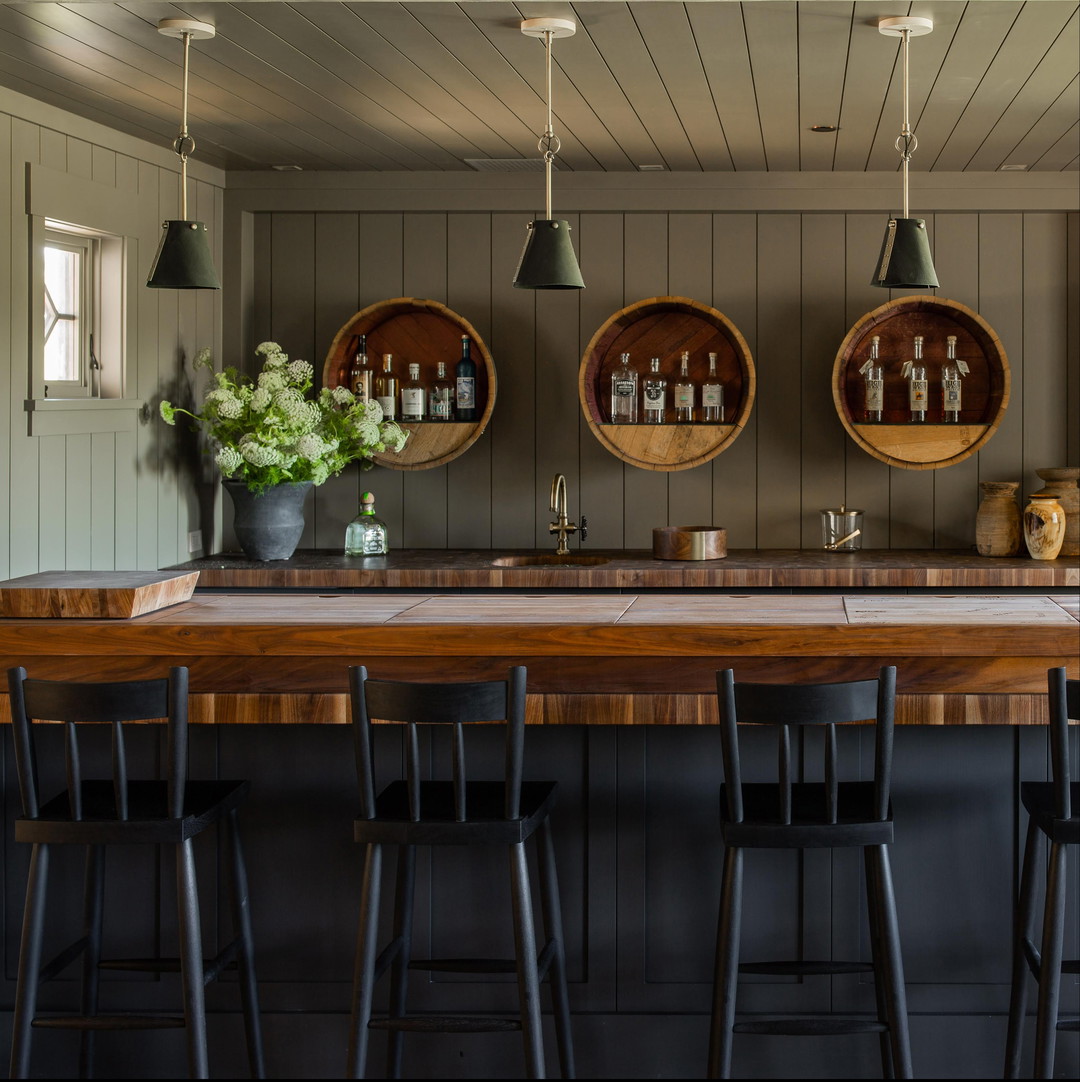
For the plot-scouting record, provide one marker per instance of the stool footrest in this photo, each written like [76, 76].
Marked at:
[448, 1023]
[805, 969]
[811, 1027]
[1069, 1025]
[212, 967]
[110, 1021]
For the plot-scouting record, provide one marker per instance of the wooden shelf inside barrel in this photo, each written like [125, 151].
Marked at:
[423, 332]
[929, 445]
[664, 327]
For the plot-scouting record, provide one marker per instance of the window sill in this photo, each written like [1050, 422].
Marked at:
[76, 416]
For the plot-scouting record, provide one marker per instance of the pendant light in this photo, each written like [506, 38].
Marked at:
[548, 260]
[183, 259]
[905, 260]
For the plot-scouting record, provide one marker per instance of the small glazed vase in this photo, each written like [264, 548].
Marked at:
[1044, 527]
[997, 522]
[268, 525]
[1061, 482]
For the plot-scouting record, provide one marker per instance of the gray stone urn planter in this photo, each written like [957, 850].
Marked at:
[268, 525]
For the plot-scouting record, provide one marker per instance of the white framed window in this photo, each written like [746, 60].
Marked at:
[71, 273]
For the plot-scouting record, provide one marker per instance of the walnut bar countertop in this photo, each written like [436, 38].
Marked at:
[628, 569]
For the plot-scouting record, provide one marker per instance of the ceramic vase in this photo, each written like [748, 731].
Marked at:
[1044, 527]
[1061, 482]
[268, 525]
[997, 522]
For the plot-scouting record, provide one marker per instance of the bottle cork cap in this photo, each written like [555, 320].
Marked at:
[368, 499]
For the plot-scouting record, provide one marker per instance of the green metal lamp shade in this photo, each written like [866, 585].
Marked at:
[183, 258]
[548, 260]
[905, 260]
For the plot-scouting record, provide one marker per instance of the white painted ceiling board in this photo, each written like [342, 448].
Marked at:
[772, 35]
[824, 40]
[1064, 151]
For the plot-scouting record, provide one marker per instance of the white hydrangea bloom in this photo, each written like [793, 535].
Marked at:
[299, 371]
[368, 431]
[373, 411]
[258, 454]
[342, 396]
[229, 460]
[230, 407]
[275, 357]
[272, 381]
[311, 446]
[395, 438]
[260, 399]
[292, 406]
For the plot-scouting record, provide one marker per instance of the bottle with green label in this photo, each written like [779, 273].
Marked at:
[366, 535]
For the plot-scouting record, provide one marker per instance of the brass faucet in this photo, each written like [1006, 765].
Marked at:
[563, 527]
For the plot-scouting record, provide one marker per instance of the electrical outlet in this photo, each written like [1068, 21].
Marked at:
[194, 541]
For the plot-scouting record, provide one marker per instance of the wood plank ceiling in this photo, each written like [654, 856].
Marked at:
[684, 86]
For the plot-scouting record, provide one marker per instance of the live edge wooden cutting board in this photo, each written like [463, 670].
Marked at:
[109, 594]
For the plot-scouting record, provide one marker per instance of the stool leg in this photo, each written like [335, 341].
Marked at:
[525, 950]
[399, 973]
[1023, 929]
[553, 926]
[876, 952]
[93, 893]
[29, 960]
[241, 916]
[191, 959]
[895, 994]
[726, 973]
[364, 971]
[1050, 969]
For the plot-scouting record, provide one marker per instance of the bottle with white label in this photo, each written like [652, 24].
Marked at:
[441, 397]
[950, 384]
[712, 395]
[684, 392]
[874, 383]
[624, 396]
[654, 394]
[386, 388]
[465, 380]
[413, 396]
[917, 383]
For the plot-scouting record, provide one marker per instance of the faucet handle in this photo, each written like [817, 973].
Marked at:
[583, 529]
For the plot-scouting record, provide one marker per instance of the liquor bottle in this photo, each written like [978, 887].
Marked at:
[359, 373]
[950, 384]
[654, 394]
[465, 380]
[874, 386]
[712, 395]
[915, 373]
[366, 534]
[624, 381]
[441, 397]
[413, 396]
[683, 392]
[386, 388]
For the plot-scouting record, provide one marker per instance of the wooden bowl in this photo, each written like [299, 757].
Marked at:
[689, 542]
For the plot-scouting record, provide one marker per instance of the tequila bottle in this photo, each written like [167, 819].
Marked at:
[624, 381]
[386, 388]
[712, 395]
[413, 396]
[441, 397]
[654, 393]
[683, 392]
[950, 384]
[874, 386]
[366, 534]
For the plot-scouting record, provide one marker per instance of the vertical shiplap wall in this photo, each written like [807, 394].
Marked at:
[102, 500]
[793, 282]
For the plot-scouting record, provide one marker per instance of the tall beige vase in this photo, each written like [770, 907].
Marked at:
[1044, 527]
[997, 522]
[1061, 483]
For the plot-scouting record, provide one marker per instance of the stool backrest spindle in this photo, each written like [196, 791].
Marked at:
[1064, 707]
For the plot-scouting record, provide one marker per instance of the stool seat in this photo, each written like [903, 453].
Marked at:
[485, 803]
[761, 828]
[1038, 798]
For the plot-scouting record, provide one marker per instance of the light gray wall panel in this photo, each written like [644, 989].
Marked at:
[77, 524]
[6, 350]
[103, 494]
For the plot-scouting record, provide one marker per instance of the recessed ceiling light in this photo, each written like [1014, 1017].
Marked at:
[1013, 168]
[651, 168]
[288, 168]
[825, 127]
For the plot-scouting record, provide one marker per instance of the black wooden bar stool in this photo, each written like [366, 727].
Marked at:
[118, 811]
[1052, 808]
[412, 812]
[809, 815]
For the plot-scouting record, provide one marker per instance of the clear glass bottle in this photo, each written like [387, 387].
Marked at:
[413, 396]
[386, 388]
[950, 384]
[465, 380]
[654, 394]
[359, 373]
[874, 385]
[712, 395]
[917, 384]
[684, 392]
[624, 393]
[366, 535]
[441, 397]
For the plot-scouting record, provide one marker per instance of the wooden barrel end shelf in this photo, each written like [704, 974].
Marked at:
[420, 332]
[985, 390]
[664, 327]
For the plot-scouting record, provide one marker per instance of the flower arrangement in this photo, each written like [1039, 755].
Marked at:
[267, 432]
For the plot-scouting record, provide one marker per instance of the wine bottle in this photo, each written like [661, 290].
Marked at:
[683, 392]
[465, 384]
[386, 388]
[712, 395]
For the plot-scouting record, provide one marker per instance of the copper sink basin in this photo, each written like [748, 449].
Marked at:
[549, 559]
